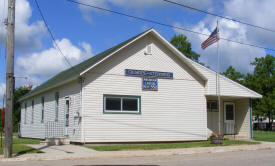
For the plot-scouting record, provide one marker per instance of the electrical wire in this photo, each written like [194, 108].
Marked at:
[167, 25]
[220, 16]
[52, 36]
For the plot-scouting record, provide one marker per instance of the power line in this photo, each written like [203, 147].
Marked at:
[51, 34]
[167, 25]
[220, 16]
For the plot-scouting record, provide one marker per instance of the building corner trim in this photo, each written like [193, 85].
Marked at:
[250, 117]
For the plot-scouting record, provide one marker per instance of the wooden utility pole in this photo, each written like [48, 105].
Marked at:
[9, 78]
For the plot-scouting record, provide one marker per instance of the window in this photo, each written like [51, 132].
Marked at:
[56, 106]
[42, 109]
[122, 104]
[32, 110]
[229, 112]
[149, 49]
[212, 106]
[67, 113]
[25, 116]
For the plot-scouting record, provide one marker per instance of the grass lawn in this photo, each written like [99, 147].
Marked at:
[264, 135]
[117, 147]
[19, 148]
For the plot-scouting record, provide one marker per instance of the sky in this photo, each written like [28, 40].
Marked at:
[82, 32]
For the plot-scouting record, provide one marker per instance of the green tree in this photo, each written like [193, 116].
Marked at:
[263, 82]
[184, 46]
[3, 119]
[234, 75]
[18, 93]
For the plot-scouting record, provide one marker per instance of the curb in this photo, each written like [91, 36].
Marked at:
[144, 153]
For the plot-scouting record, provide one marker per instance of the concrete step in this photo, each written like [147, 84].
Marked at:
[55, 141]
[237, 137]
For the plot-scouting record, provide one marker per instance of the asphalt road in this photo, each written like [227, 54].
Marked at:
[242, 158]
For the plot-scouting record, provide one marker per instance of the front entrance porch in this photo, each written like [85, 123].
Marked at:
[234, 117]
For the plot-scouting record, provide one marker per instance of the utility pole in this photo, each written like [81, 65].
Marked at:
[9, 79]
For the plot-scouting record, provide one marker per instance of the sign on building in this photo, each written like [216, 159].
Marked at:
[146, 73]
[149, 84]
[149, 78]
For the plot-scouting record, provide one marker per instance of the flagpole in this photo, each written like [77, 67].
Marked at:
[218, 80]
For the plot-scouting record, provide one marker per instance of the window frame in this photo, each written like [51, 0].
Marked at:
[32, 115]
[42, 109]
[56, 97]
[25, 116]
[212, 110]
[121, 111]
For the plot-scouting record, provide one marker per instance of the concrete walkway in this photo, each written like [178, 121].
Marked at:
[80, 152]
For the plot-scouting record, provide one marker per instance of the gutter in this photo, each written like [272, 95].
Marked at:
[27, 96]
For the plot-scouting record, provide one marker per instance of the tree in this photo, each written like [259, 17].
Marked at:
[234, 75]
[18, 93]
[184, 46]
[263, 82]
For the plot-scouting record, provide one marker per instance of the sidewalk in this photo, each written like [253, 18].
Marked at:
[79, 152]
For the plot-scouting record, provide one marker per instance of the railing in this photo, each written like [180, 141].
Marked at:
[54, 129]
[229, 128]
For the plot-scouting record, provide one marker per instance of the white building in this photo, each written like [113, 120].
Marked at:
[141, 90]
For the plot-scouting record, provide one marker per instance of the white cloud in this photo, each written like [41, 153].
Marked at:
[239, 56]
[135, 4]
[27, 35]
[256, 12]
[2, 92]
[41, 65]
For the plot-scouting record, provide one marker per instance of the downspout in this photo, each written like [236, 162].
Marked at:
[250, 111]
[81, 110]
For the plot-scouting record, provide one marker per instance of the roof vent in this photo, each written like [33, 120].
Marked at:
[148, 50]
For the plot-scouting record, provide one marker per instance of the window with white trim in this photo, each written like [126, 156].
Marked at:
[32, 111]
[42, 109]
[25, 116]
[56, 106]
[212, 106]
[121, 104]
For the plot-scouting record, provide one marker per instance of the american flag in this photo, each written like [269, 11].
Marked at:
[213, 38]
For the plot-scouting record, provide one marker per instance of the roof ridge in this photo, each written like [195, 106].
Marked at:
[70, 73]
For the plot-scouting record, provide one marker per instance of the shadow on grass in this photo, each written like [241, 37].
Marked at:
[38, 150]
[27, 151]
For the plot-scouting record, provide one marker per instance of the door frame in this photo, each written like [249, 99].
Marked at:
[66, 128]
[224, 116]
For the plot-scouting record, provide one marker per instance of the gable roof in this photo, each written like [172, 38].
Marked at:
[81, 68]
[75, 71]
[78, 70]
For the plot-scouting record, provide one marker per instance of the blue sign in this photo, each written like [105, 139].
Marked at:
[146, 73]
[149, 84]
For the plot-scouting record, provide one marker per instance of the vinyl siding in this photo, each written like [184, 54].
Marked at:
[227, 86]
[37, 129]
[243, 118]
[176, 112]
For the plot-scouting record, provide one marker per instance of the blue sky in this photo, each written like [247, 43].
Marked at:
[83, 32]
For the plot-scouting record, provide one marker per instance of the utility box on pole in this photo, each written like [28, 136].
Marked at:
[9, 79]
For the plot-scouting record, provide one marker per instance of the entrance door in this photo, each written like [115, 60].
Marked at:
[67, 111]
[229, 118]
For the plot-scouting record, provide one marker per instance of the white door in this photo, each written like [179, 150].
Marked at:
[67, 111]
[229, 118]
